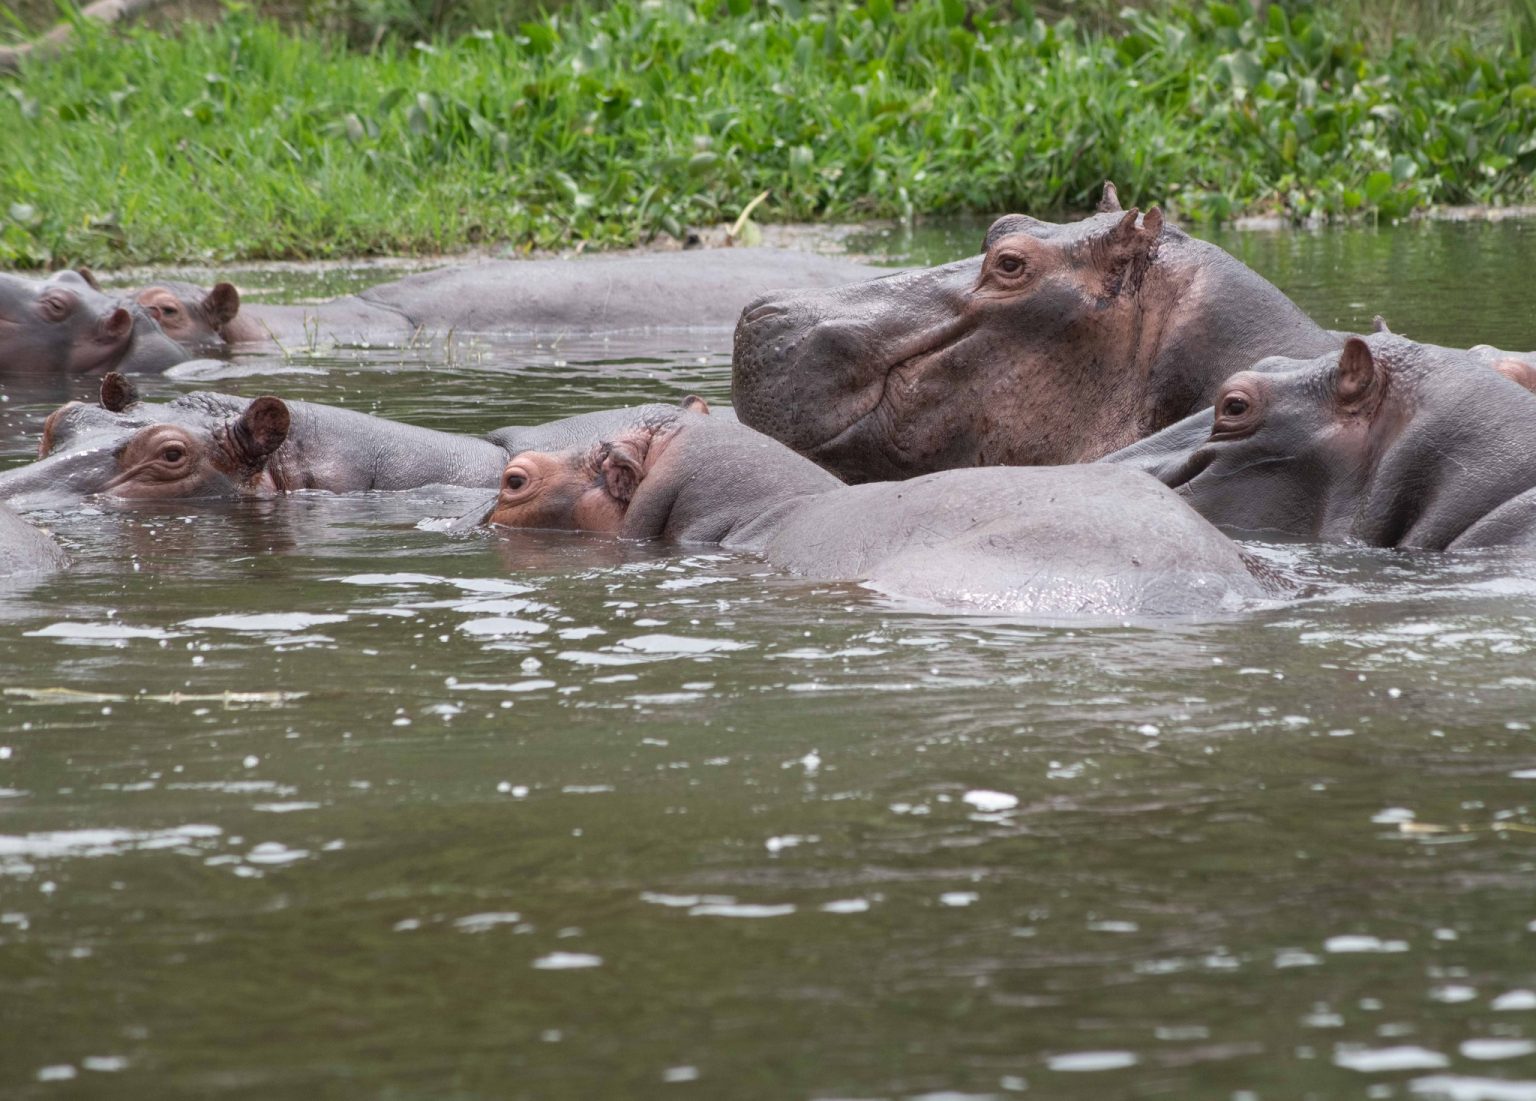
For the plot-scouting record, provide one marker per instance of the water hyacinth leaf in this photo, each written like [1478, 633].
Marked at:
[1377, 186]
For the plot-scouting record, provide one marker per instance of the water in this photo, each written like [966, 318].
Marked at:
[299, 799]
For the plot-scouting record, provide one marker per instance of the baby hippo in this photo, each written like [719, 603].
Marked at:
[1051, 541]
[1388, 443]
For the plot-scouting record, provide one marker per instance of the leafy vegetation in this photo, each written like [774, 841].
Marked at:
[242, 139]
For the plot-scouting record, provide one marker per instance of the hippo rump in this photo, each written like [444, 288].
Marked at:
[1066, 541]
[219, 445]
[589, 295]
[26, 550]
[1387, 443]
[55, 329]
[1059, 344]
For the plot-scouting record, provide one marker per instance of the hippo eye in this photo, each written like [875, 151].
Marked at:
[55, 306]
[1234, 406]
[1009, 264]
[516, 482]
[173, 454]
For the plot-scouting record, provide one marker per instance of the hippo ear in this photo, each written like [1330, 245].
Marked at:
[694, 404]
[89, 276]
[624, 468]
[1359, 381]
[1379, 324]
[117, 393]
[261, 430]
[1109, 202]
[1517, 370]
[115, 326]
[221, 304]
[1128, 249]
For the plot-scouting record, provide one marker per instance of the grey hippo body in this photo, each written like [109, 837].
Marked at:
[1387, 443]
[1066, 541]
[1059, 344]
[208, 444]
[589, 295]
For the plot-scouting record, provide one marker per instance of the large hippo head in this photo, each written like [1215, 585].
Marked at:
[1388, 443]
[200, 445]
[1058, 344]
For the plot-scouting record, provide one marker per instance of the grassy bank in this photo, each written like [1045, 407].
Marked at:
[243, 140]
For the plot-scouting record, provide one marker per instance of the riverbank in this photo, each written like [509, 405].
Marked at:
[243, 141]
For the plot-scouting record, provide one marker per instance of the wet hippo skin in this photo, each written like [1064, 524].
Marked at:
[1388, 443]
[1059, 344]
[1055, 541]
[208, 444]
[598, 294]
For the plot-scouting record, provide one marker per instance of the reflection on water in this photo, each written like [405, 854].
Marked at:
[301, 798]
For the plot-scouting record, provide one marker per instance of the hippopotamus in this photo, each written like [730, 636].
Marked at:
[1061, 541]
[24, 549]
[62, 327]
[1387, 443]
[1059, 344]
[596, 294]
[208, 444]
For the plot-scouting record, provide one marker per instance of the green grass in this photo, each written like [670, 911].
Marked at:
[246, 140]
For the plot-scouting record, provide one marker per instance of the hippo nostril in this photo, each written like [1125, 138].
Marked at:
[757, 313]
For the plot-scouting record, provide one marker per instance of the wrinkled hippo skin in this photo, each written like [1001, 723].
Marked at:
[1064, 541]
[1388, 443]
[596, 294]
[56, 329]
[26, 550]
[218, 445]
[1059, 344]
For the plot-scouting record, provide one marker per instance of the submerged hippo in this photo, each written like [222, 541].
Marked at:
[597, 294]
[1062, 541]
[218, 445]
[62, 327]
[1387, 443]
[1059, 344]
[24, 549]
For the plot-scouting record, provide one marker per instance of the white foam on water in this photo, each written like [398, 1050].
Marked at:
[990, 802]
[1088, 1061]
[274, 852]
[18, 850]
[1487, 1050]
[567, 961]
[681, 644]
[1376, 1060]
[490, 585]
[1515, 999]
[742, 909]
[264, 623]
[509, 686]
[846, 906]
[1363, 943]
[1452, 1087]
[100, 632]
[389, 579]
[480, 923]
[498, 626]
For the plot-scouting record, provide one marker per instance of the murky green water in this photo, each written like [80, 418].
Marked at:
[300, 800]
